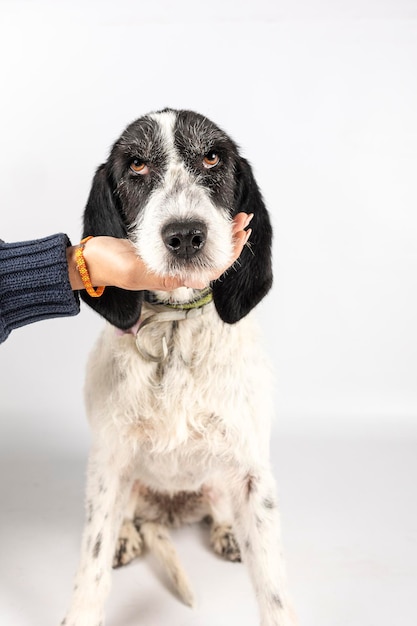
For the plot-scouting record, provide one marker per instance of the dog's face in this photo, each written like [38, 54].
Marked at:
[176, 183]
[172, 184]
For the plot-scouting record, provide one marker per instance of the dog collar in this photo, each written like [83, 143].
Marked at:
[169, 312]
[204, 297]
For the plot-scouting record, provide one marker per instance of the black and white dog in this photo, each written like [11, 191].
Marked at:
[180, 403]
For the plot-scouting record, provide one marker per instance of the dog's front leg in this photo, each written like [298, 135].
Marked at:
[257, 530]
[109, 481]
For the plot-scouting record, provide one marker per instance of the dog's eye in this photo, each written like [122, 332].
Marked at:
[211, 159]
[139, 167]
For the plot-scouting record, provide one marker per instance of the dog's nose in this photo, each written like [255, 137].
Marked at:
[184, 239]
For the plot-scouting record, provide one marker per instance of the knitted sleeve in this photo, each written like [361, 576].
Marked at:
[34, 282]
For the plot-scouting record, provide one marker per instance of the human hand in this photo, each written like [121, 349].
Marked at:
[115, 262]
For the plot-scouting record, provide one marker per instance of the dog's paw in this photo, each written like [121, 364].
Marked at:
[129, 545]
[224, 542]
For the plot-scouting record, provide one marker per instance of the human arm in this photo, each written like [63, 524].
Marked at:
[34, 283]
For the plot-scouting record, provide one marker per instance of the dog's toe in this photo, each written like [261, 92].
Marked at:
[129, 545]
[224, 542]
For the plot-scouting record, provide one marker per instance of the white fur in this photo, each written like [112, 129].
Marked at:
[197, 423]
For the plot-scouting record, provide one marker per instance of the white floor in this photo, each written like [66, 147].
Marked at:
[349, 512]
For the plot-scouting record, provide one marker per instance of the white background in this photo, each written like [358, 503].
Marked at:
[322, 98]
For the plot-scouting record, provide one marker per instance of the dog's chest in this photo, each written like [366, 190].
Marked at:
[192, 408]
[188, 390]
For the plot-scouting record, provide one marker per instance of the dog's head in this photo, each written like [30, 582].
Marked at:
[172, 184]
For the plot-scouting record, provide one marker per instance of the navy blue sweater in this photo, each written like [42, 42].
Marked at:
[34, 283]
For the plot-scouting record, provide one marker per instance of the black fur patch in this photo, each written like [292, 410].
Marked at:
[250, 485]
[97, 545]
[277, 600]
[90, 511]
[121, 551]
[243, 287]
[248, 545]
[170, 510]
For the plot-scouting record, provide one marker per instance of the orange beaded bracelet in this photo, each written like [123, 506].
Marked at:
[83, 271]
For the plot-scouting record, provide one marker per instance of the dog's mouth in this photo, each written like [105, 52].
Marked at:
[197, 265]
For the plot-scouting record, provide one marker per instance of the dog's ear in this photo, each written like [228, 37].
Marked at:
[239, 289]
[103, 216]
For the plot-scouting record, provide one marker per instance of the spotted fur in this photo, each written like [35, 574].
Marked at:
[186, 438]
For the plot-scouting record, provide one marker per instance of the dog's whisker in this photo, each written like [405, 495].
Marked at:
[249, 245]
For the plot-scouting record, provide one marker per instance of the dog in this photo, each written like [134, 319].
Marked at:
[178, 390]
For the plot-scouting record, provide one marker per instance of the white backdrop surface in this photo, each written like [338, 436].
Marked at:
[322, 98]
